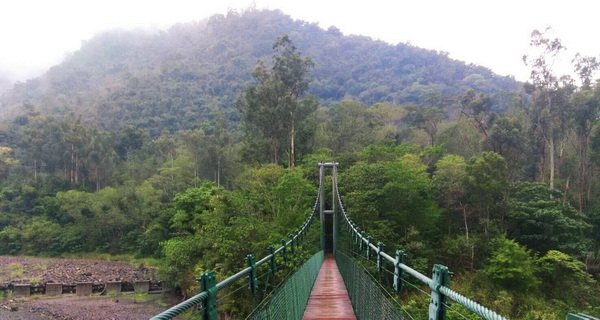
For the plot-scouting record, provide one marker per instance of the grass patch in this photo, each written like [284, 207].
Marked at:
[148, 261]
[17, 270]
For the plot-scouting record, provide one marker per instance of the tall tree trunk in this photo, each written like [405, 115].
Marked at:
[76, 168]
[292, 144]
[584, 171]
[72, 177]
[275, 149]
[551, 151]
[97, 180]
[464, 210]
[195, 175]
[218, 170]
[542, 164]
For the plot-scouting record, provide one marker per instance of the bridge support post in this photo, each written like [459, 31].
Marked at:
[252, 281]
[360, 242]
[323, 211]
[437, 305]
[334, 219]
[209, 283]
[322, 203]
[369, 240]
[380, 248]
[273, 265]
[283, 253]
[400, 257]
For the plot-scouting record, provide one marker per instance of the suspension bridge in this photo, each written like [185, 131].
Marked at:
[348, 276]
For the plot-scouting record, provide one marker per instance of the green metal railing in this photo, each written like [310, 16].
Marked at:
[208, 299]
[438, 283]
[290, 300]
[579, 316]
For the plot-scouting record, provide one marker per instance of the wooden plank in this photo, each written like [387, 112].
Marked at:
[329, 298]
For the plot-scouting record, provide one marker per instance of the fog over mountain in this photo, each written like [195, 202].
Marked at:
[176, 78]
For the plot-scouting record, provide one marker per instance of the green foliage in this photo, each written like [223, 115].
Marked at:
[178, 269]
[460, 138]
[448, 179]
[564, 276]
[511, 266]
[350, 126]
[10, 240]
[486, 186]
[508, 138]
[426, 119]
[190, 205]
[276, 110]
[539, 219]
[222, 227]
[391, 199]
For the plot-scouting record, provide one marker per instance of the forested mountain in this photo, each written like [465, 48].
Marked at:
[173, 79]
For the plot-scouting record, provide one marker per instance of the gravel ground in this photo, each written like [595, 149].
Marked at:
[70, 307]
[69, 271]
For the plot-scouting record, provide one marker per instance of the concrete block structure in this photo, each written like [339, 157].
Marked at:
[21, 290]
[83, 288]
[54, 289]
[142, 286]
[113, 287]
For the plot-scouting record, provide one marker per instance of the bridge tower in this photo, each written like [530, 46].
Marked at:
[328, 213]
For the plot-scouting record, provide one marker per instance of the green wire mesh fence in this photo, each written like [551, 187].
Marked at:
[369, 300]
[289, 301]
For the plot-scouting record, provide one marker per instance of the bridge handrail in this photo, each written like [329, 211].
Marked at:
[470, 304]
[202, 296]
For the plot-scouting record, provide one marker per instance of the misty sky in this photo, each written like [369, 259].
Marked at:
[36, 34]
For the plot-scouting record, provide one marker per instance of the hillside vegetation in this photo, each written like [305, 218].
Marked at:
[175, 79]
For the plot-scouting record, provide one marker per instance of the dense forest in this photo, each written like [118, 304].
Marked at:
[199, 145]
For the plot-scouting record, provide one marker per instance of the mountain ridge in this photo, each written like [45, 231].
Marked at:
[180, 77]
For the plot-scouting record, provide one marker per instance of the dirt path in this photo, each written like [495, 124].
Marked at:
[70, 307]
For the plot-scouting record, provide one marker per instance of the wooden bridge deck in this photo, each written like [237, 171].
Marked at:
[329, 298]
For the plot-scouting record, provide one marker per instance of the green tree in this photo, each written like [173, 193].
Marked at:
[585, 67]
[507, 138]
[350, 126]
[477, 107]
[539, 219]
[584, 111]
[564, 276]
[426, 119]
[511, 266]
[449, 188]
[190, 206]
[276, 108]
[486, 185]
[7, 161]
[391, 199]
[549, 104]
